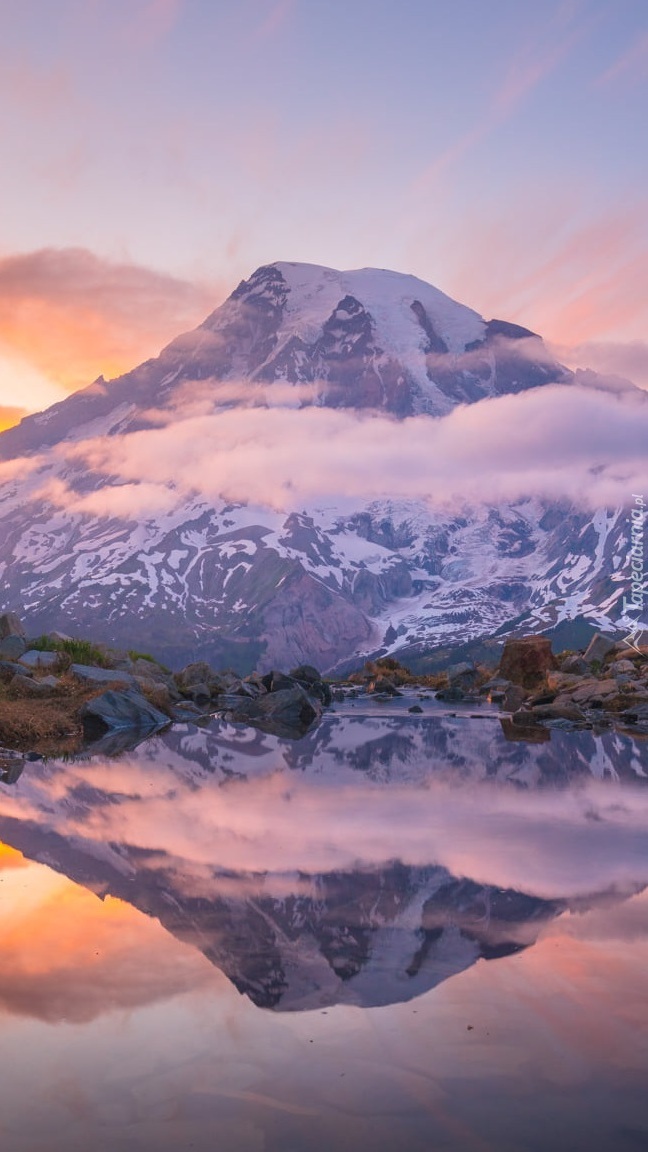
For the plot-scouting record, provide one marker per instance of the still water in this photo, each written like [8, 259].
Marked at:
[398, 933]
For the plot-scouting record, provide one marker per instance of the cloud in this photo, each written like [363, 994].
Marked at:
[68, 955]
[562, 441]
[543, 265]
[628, 361]
[631, 64]
[70, 316]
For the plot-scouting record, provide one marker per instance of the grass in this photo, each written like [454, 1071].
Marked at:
[77, 651]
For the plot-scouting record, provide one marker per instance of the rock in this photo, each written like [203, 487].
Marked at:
[561, 681]
[115, 711]
[381, 685]
[310, 679]
[306, 674]
[8, 670]
[514, 697]
[527, 661]
[598, 648]
[91, 675]
[556, 711]
[289, 711]
[594, 690]
[574, 665]
[37, 659]
[12, 647]
[50, 681]
[27, 686]
[636, 713]
[463, 675]
[274, 681]
[450, 695]
[200, 693]
[618, 668]
[415, 708]
[524, 718]
[11, 768]
[541, 698]
[197, 673]
[11, 625]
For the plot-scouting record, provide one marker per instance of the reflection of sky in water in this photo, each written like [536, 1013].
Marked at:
[122, 1036]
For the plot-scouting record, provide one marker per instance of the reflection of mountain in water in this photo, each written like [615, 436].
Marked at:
[367, 937]
[400, 747]
[291, 933]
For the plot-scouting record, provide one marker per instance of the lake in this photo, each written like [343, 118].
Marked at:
[401, 932]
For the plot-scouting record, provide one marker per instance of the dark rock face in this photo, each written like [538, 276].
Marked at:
[112, 711]
[527, 661]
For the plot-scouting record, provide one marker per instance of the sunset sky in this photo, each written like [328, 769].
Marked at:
[155, 152]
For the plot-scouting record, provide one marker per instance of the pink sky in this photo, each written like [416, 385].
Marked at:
[157, 151]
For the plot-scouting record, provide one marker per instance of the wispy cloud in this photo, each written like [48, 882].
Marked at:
[72, 316]
[630, 65]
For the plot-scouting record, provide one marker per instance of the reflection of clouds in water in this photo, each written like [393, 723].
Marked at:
[327, 815]
[67, 955]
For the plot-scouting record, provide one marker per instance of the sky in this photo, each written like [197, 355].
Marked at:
[155, 152]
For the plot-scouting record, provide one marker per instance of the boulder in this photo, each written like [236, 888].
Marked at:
[527, 661]
[36, 659]
[115, 711]
[197, 673]
[8, 670]
[574, 665]
[513, 698]
[11, 625]
[450, 695]
[463, 675]
[27, 686]
[306, 674]
[287, 712]
[382, 686]
[12, 647]
[415, 708]
[593, 689]
[559, 711]
[598, 648]
[621, 668]
[91, 675]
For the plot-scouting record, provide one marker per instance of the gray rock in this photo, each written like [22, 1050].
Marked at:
[199, 693]
[383, 687]
[91, 675]
[197, 673]
[50, 681]
[598, 648]
[27, 686]
[415, 708]
[450, 695]
[37, 659]
[618, 668]
[11, 625]
[463, 675]
[575, 666]
[115, 711]
[287, 712]
[8, 669]
[12, 647]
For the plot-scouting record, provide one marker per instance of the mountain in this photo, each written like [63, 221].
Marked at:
[202, 572]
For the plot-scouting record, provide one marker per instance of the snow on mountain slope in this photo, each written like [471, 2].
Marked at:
[102, 534]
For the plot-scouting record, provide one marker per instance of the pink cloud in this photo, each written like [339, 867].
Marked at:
[72, 315]
[540, 443]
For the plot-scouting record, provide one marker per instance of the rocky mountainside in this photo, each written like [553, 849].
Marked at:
[202, 574]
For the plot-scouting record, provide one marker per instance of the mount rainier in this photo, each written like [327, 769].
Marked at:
[210, 503]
